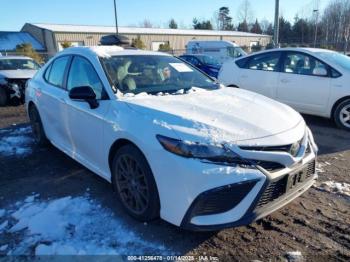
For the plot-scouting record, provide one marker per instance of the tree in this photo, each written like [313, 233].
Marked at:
[302, 30]
[172, 24]
[203, 25]
[138, 43]
[264, 24]
[26, 49]
[164, 47]
[285, 33]
[269, 30]
[224, 18]
[243, 27]
[146, 24]
[65, 44]
[256, 28]
[245, 12]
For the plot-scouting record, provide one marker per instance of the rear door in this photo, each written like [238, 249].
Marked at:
[51, 101]
[299, 85]
[260, 74]
[85, 132]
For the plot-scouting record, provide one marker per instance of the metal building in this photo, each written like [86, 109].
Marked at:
[52, 35]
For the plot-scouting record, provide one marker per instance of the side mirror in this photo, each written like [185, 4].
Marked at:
[85, 93]
[320, 71]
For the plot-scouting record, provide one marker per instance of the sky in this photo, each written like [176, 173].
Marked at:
[15, 13]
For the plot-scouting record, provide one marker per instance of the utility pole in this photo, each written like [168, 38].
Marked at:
[116, 18]
[316, 26]
[277, 24]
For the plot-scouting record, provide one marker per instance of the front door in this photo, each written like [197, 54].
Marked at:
[85, 125]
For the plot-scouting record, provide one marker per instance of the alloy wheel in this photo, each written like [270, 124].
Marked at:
[132, 184]
[345, 116]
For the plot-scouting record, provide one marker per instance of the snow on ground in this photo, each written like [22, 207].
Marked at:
[70, 226]
[320, 167]
[335, 187]
[294, 256]
[18, 142]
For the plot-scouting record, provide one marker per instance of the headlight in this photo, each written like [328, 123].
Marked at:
[214, 153]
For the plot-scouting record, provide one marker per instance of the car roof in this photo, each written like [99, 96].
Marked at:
[108, 51]
[14, 57]
[295, 49]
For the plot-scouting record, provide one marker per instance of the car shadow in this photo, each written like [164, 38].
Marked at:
[329, 138]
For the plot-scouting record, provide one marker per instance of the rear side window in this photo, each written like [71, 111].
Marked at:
[56, 71]
[265, 62]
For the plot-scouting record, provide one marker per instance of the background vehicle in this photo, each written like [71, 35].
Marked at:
[14, 73]
[221, 50]
[173, 142]
[207, 64]
[312, 81]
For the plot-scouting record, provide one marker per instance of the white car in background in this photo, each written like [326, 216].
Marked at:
[173, 142]
[14, 73]
[312, 81]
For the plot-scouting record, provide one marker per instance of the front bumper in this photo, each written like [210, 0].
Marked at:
[274, 194]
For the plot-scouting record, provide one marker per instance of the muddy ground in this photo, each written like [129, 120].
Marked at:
[317, 224]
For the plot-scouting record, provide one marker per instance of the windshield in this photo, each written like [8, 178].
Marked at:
[153, 74]
[18, 64]
[336, 58]
[208, 60]
[235, 52]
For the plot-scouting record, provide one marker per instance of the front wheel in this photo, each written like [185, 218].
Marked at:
[133, 180]
[342, 115]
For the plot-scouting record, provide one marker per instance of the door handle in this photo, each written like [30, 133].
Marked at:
[285, 81]
[244, 76]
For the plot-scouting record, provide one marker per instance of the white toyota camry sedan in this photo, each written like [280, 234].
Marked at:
[173, 142]
[312, 81]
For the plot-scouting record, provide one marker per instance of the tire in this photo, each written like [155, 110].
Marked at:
[134, 184]
[37, 127]
[342, 115]
[3, 97]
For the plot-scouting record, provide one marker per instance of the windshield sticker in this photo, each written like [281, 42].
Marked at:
[181, 67]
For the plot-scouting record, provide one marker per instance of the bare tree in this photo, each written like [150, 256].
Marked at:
[146, 24]
[245, 12]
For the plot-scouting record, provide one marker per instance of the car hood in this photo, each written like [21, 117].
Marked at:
[17, 74]
[223, 115]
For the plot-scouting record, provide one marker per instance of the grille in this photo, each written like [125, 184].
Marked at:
[277, 188]
[270, 166]
[285, 148]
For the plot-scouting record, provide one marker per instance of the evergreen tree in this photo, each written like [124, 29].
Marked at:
[243, 26]
[172, 24]
[256, 28]
[204, 25]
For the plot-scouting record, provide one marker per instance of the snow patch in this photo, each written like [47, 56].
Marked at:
[3, 248]
[105, 51]
[2, 212]
[335, 187]
[294, 256]
[18, 142]
[4, 225]
[75, 226]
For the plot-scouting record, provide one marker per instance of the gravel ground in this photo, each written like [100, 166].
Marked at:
[314, 227]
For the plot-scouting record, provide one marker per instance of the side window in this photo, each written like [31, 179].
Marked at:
[265, 62]
[302, 64]
[57, 70]
[82, 73]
